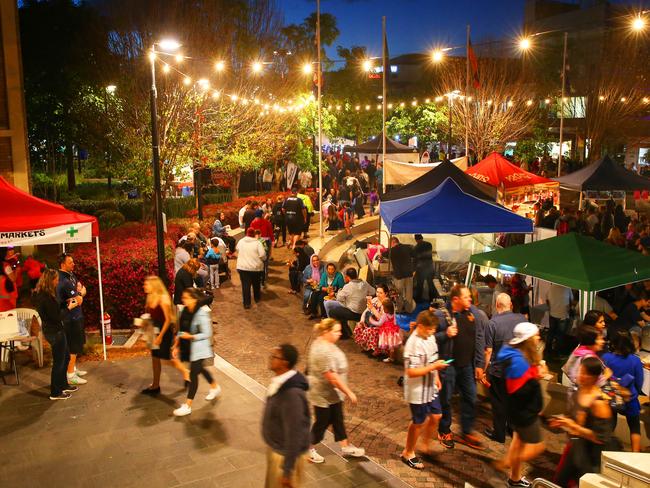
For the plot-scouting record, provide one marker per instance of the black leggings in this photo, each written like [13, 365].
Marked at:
[332, 415]
[196, 367]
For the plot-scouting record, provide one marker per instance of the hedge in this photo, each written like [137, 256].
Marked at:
[132, 209]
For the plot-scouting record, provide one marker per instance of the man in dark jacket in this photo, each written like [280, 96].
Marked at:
[401, 260]
[461, 338]
[423, 252]
[286, 420]
[500, 331]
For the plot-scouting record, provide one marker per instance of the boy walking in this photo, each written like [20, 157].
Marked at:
[421, 386]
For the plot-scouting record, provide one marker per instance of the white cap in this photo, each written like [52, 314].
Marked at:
[523, 332]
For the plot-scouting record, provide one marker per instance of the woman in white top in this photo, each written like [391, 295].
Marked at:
[250, 266]
[328, 385]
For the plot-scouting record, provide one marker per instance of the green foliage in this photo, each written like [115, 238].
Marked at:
[428, 121]
[178, 207]
[300, 39]
[110, 219]
[537, 145]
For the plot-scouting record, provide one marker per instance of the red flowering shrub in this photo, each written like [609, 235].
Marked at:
[128, 255]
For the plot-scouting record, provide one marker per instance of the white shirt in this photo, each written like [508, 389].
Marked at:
[305, 178]
[250, 254]
[241, 216]
[559, 299]
[267, 176]
[278, 381]
[419, 352]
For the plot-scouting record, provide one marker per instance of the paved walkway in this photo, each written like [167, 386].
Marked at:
[109, 435]
[379, 421]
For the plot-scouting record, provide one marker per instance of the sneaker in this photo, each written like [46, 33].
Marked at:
[314, 457]
[80, 372]
[522, 483]
[213, 393]
[470, 440]
[183, 410]
[447, 440]
[353, 451]
[70, 389]
[62, 396]
[75, 380]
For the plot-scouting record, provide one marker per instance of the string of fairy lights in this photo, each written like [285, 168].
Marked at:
[267, 105]
[273, 104]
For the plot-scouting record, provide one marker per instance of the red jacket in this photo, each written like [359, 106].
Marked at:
[264, 226]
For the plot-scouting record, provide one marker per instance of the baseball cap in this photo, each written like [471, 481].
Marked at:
[523, 332]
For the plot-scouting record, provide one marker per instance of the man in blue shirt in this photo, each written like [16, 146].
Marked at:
[70, 289]
[499, 332]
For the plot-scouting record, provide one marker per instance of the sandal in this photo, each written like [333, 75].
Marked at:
[413, 463]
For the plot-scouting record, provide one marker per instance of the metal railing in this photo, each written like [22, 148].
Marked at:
[626, 472]
[541, 482]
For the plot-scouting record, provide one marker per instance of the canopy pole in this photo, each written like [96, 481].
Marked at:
[101, 295]
[580, 201]
[384, 79]
[470, 272]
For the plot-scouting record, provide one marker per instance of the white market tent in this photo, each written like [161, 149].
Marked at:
[397, 172]
[28, 221]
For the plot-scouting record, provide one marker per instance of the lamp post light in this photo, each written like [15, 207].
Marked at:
[110, 90]
[167, 46]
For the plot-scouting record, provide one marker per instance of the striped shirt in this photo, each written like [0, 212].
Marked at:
[419, 352]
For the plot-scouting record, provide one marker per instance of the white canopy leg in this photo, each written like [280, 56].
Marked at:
[470, 272]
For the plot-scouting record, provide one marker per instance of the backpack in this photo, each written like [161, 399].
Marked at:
[563, 227]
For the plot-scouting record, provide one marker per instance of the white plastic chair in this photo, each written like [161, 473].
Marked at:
[26, 314]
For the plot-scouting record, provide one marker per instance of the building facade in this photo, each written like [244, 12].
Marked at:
[14, 155]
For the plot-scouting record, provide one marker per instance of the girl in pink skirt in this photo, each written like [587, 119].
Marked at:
[389, 332]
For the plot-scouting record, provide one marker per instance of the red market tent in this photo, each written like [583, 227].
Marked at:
[495, 170]
[28, 221]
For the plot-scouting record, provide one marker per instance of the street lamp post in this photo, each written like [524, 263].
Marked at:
[155, 150]
[450, 96]
[109, 90]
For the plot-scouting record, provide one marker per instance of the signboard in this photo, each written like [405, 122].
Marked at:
[67, 234]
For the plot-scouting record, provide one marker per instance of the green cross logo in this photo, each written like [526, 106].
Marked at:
[71, 231]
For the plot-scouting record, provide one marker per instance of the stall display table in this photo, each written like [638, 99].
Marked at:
[8, 354]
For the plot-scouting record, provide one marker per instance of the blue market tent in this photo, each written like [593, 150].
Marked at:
[448, 210]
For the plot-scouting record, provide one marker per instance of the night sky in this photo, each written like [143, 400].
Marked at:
[419, 25]
[412, 25]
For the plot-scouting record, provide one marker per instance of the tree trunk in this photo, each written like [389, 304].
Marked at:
[69, 163]
[234, 188]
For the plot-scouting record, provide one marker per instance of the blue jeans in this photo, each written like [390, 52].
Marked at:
[463, 379]
[60, 360]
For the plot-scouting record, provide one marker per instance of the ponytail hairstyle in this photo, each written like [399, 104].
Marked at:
[325, 326]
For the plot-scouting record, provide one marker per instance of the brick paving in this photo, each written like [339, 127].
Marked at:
[378, 422]
[109, 435]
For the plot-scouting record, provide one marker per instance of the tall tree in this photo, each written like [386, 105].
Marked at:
[64, 49]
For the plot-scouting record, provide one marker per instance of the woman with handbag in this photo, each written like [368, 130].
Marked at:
[311, 278]
[628, 369]
[159, 307]
[589, 426]
[199, 336]
[50, 312]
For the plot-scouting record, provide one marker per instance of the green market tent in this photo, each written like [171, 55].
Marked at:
[570, 260]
